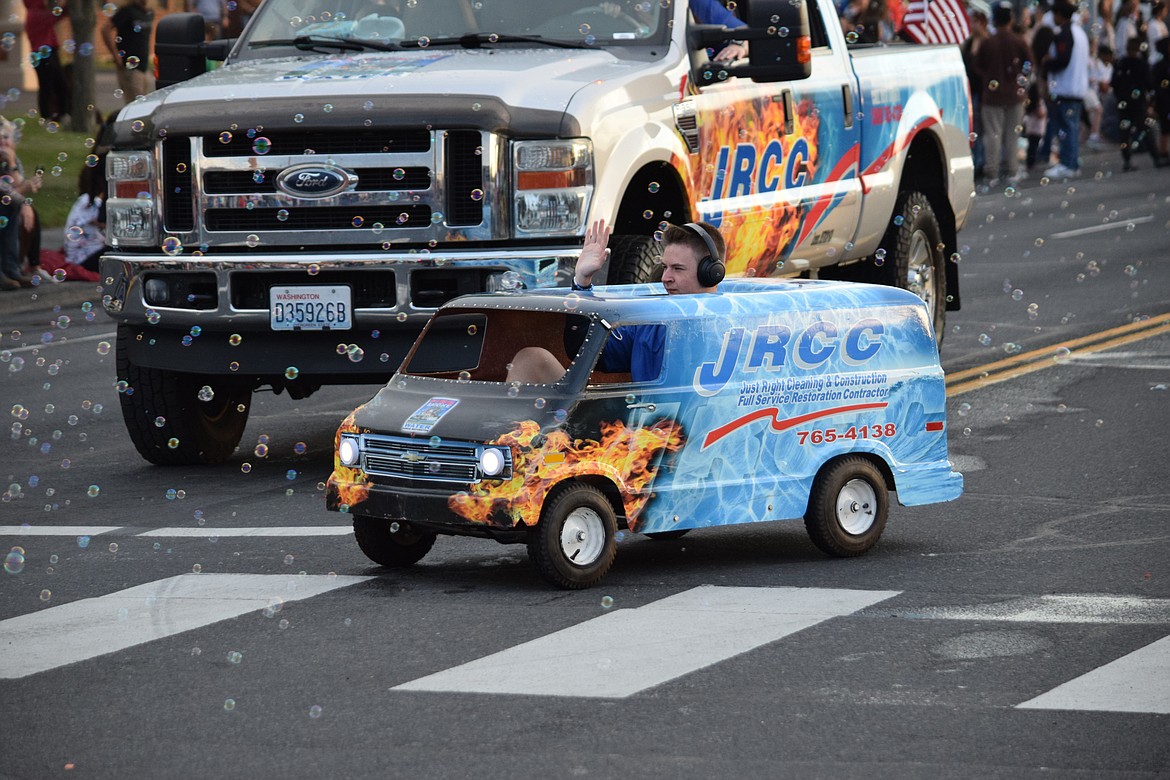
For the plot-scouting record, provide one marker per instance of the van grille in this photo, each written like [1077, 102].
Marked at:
[402, 457]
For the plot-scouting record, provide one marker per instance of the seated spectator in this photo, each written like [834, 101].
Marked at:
[85, 236]
[16, 214]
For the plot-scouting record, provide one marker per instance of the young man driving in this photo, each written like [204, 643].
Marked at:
[692, 262]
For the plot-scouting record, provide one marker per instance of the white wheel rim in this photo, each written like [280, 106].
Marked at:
[856, 507]
[582, 537]
[920, 269]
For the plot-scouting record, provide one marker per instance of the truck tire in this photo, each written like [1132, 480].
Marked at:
[634, 259]
[167, 421]
[847, 507]
[914, 257]
[390, 543]
[575, 542]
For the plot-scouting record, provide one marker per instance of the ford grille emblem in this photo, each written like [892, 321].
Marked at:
[314, 181]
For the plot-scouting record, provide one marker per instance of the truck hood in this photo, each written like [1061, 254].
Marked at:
[524, 90]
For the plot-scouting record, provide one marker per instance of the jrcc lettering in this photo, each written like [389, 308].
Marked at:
[771, 346]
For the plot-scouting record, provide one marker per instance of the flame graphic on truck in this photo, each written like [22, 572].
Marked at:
[754, 157]
[627, 456]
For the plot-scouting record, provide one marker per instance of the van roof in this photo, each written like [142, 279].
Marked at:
[651, 303]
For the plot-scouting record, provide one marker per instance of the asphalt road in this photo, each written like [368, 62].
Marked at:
[1019, 631]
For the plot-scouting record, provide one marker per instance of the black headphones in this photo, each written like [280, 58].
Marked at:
[711, 268]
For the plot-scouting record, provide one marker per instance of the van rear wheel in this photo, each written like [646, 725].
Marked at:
[847, 508]
[575, 543]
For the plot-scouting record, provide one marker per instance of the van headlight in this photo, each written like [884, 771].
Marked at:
[349, 451]
[131, 212]
[553, 182]
[495, 462]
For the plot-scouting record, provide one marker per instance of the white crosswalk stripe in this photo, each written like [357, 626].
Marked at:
[1137, 682]
[630, 650]
[88, 628]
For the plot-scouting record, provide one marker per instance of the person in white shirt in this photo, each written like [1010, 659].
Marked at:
[1156, 30]
[1129, 17]
[1068, 81]
[1100, 77]
[85, 237]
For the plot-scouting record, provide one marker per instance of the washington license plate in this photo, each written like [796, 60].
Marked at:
[318, 307]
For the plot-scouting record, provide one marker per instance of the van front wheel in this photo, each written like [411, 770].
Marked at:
[575, 543]
[847, 508]
[391, 543]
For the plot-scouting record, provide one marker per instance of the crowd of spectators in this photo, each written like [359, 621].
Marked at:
[1075, 80]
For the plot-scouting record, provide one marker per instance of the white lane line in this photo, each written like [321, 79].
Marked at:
[1121, 223]
[1073, 608]
[1138, 682]
[85, 629]
[94, 530]
[64, 341]
[308, 530]
[56, 530]
[630, 650]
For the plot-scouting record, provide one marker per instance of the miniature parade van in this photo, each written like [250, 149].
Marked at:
[769, 400]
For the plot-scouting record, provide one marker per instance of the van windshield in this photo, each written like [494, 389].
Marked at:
[480, 346]
[381, 25]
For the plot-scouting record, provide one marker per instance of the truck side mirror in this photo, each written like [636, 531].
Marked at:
[784, 50]
[779, 42]
[179, 50]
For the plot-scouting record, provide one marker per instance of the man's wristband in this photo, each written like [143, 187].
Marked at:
[579, 288]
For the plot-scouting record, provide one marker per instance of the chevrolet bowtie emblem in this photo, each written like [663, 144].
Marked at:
[413, 457]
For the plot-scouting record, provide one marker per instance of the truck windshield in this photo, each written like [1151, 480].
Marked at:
[324, 25]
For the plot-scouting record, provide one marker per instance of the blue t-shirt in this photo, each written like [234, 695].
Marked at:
[713, 12]
[637, 349]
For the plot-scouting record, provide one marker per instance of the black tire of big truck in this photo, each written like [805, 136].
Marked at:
[914, 256]
[179, 419]
[910, 256]
[634, 259]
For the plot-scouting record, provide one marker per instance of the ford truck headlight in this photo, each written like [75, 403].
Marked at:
[131, 215]
[349, 452]
[552, 182]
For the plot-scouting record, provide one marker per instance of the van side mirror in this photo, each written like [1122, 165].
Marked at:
[180, 51]
[779, 42]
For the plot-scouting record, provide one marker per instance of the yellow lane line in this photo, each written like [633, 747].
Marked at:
[981, 376]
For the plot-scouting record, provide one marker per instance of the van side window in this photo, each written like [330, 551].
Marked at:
[632, 353]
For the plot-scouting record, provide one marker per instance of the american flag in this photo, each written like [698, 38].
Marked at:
[936, 21]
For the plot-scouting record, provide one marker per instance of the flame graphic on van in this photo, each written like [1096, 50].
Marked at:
[627, 456]
[353, 487]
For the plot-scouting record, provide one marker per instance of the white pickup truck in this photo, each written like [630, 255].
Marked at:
[292, 218]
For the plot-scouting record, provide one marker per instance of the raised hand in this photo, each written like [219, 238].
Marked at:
[593, 253]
